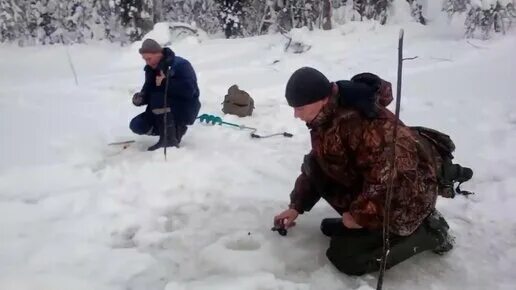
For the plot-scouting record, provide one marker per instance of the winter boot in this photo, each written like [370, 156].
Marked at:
[331, 226]
[171, 139]
[439, 227]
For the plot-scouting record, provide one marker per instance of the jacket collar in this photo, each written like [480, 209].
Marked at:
[325, 115]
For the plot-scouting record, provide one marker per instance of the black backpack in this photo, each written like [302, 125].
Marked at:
[448, 173]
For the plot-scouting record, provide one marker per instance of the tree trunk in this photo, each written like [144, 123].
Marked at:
[157, 11]
[326, 14]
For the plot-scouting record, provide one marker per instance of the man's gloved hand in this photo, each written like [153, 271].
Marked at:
[138, 99]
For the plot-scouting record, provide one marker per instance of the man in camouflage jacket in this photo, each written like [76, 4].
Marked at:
[349, 166]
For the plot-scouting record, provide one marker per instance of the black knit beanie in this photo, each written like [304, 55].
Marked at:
[306, 86]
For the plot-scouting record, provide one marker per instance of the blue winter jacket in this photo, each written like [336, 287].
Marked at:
[183, 92]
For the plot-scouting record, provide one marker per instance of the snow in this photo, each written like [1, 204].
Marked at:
[77, 214]
[160, 33]
[400, 12]
[486, 4]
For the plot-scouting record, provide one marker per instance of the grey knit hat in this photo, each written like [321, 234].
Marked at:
[150, 46]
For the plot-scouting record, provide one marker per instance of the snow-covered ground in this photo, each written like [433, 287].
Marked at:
[77, 214]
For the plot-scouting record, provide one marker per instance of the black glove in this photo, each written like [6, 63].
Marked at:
[138, 99]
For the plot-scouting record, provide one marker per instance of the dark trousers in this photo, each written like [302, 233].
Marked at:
[359, 251]
[146, 123]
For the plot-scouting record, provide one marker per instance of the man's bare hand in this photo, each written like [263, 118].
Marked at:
[286, 219]
[349, 222]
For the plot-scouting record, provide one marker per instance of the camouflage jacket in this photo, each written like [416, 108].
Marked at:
[349, 166]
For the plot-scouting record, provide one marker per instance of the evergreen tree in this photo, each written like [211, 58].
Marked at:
[109, 16]
[372, 9]
[230, 15]
[304, 13]
[494, 18]
[455, 6]
[416, 7]
[201, 13]
[32, 22]
[11, 21]
[136, 17]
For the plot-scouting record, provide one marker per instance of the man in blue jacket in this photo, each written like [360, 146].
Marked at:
[163, 68]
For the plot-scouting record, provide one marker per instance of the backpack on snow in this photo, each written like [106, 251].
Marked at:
[238, 102]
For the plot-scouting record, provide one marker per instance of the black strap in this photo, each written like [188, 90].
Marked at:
[463, 192]
[284, 134]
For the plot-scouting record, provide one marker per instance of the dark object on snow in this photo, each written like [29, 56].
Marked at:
[297, 47]
[123, 144]
[281, 231]
[306, 86]
[238, 102]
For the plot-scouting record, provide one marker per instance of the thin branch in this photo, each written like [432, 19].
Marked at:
[71, 65]
[176, 26]
[410, 58]
[441, 58]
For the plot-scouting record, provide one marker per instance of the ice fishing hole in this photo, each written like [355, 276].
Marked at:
[243, 245]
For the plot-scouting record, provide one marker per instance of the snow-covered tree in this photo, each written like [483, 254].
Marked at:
[488, 17]
[39, 22]
[136, 17]
[31, 22]
[201, 13]
[254, 11]
[416, 7]
[283, 15]
[108, 14]
[455, 6]
[371, 9]
[304, 13]
[230, 15]
[377, 9]
[326, 14]
[75, 20]
[12, 21]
